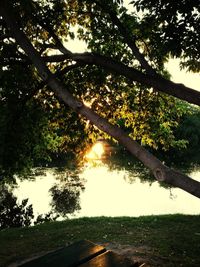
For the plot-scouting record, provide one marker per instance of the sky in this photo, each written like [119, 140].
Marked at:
[189, 79]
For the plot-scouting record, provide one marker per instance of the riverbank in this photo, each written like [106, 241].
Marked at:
[166, 240]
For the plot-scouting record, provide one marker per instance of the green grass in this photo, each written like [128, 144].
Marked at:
[173, 240]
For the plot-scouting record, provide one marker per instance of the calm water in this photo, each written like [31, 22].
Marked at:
[112, 193]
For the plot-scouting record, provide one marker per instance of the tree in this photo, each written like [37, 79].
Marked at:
[173, 26]
[119, 50]
[13, 214]
[32, 130]
[65, 197]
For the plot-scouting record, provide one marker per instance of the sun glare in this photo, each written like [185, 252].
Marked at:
[96, 152]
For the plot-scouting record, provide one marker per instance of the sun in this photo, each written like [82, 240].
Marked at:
[96, 152]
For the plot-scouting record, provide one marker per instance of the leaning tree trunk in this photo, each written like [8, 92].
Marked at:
[160, 171]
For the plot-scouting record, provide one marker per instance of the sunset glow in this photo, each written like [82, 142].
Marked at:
[96, 152]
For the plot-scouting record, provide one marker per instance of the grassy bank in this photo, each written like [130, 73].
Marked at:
[172, 240]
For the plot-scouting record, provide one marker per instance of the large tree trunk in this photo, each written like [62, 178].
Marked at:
[160, 171]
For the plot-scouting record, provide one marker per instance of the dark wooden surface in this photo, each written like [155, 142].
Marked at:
[82, 253]
[70, 256]
[109, 259]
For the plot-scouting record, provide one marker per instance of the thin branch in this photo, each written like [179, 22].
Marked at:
[69, 68]
[128, 38]
[58, 43]
[156, 81]
[47, 46]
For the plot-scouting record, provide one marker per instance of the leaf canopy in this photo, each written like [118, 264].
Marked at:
[35, 126]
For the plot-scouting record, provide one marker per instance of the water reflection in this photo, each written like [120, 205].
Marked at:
[107, 193]
[65, 195]
[111, 183]
[122, 160]
[53, 192]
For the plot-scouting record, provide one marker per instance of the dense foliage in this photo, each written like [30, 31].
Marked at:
[36, 128]
[121, 77]
[188, 129]
[13, 214]
[66, 193]
[173, 26]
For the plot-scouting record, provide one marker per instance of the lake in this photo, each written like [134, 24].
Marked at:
[110, 192]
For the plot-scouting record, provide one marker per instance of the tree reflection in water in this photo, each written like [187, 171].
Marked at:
[65, 200]
[15, 214]
[120, 159]
[66, 194]
[68, 185]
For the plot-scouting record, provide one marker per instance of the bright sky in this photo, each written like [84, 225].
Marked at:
[189, 79]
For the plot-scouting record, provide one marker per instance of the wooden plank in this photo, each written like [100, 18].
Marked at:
[109, 259]
[71, 256]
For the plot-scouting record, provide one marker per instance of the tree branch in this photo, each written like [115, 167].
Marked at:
[157, 81]
[160, 171]
[69, 68]
[58, 43]
[128, 38]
